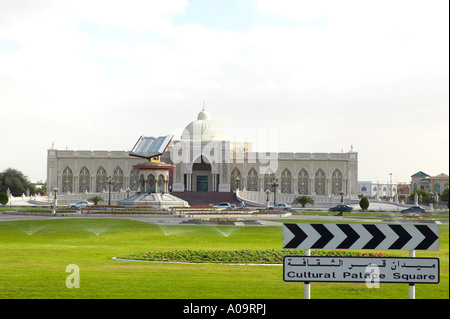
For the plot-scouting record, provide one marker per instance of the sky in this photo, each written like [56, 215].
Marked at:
[321, 76]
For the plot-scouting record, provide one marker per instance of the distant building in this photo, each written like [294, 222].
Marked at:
[373, 189]
[423, 181]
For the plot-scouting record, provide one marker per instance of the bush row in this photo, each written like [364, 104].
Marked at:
[270, 256]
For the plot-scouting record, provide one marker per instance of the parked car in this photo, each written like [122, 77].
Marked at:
[224, 205]
[80, 204]
[341, 208]
[280, 206]
[413, 209]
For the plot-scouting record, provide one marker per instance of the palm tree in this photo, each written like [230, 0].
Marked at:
[303, 200]
[95, 199]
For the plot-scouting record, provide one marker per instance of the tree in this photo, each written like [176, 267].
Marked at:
[364, 203]
[303, 200]
[424, 197]
[3, 198]
[16, 181]
[95, 199]
[444, 195]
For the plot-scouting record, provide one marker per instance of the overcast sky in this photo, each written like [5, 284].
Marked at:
[323, 75]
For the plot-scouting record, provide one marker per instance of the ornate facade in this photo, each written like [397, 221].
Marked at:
[204, 160]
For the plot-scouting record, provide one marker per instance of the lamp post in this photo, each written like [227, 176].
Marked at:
[267, 198]
[342, 197]
[109, 181]
[431, 200]
[390, 187]
[55, 203]
[274, 185]
[55, 190]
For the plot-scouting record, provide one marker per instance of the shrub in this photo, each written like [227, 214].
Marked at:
[364, 203]
[4, 198]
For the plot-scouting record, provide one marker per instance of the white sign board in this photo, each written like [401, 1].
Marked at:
[361, 269]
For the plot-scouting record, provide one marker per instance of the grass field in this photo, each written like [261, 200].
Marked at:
[34, 256]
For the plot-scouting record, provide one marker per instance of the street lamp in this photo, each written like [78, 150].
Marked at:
[55, 190]
[431, 199]
[390, 186]
[274, 185]
[267, 198]
[55, 204]
[238, 183]
[109, 181]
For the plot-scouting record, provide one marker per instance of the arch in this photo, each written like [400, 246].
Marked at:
[84, 180]
[118, 179]
[151, 184]
[268, 179]
[303, 182]
[134, 180]
[160, 184]
[202, 163]
[100, 180]
[67, 180]
[252, 180]
[235, 174]
[319, 182]
[286, 181]
[336, 182]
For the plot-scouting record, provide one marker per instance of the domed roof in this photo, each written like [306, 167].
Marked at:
[203, 129]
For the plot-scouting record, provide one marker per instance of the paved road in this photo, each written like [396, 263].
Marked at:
[172, 220]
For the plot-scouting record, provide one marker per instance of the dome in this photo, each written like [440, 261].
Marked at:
[203, 129]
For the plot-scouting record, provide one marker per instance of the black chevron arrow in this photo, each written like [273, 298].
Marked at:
[430, 237]
[403, 237]
[325, 233]
[377, 238]
[352, 236]
[299, 236]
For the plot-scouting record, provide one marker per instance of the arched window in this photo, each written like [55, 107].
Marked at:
[319, 182]
[303, 181]
[268, 179]
[100, 180]
[160, 188]
[437, 188]
[286, 182]
[118, 180]
[67, 180]
[151, 184]
[336, 182]
[134, 180]
[235, 174]
[252, 180]
[84, 182]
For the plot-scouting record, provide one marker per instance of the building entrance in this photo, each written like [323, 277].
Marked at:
[202, 183]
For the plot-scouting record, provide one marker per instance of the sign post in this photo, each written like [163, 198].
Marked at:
[307, 288]
[361, 236]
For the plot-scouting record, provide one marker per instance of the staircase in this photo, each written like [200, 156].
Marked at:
[207, 198]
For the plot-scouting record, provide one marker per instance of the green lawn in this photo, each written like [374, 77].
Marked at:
[34, 256]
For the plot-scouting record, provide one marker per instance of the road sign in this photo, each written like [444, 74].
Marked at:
[361, 269]
[361, 236]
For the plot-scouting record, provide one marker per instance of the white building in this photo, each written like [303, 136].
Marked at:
[205, 160]
[373, 189]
